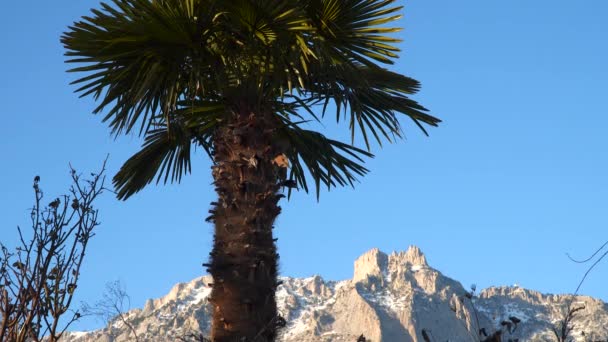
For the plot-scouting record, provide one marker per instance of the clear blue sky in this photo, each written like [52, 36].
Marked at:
[513, 179]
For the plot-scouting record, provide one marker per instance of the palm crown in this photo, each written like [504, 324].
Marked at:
[173, 70]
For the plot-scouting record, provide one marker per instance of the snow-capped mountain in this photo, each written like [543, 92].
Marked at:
[396, 297]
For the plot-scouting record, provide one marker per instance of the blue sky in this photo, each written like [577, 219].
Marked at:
[513, 178]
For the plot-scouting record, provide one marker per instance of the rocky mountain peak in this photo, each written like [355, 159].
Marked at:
[376, 264]
[373, 263]
[412, 256]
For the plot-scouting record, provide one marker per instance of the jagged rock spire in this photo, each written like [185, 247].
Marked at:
[375, 263]
[372, 263]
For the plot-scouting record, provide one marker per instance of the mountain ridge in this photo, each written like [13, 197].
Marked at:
[391, 297]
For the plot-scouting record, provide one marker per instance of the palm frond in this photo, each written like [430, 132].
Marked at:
[136, 55]
[162, 154]
[370, 99]
[328, 162]
[355, 30]
[166, 152]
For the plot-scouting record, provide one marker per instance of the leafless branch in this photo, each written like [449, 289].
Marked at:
[564, 329]
[38, 279]
[113, 306]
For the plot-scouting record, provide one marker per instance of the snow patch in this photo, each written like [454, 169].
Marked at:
[77, 334]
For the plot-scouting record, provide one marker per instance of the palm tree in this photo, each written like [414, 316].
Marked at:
[240, 78]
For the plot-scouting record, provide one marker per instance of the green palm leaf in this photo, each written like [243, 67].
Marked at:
[370, 99]
[138, 57]
[328, 161]
[162, 154]
[166, 152]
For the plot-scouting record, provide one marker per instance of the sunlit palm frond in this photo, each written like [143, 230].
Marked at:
[355, 30]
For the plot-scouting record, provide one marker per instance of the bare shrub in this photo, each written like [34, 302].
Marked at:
[39, 278]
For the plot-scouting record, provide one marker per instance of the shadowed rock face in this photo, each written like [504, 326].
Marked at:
[390, 298]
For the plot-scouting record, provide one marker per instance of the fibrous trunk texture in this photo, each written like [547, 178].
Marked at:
[243, 263]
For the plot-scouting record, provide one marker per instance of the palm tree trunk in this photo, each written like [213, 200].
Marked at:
[244, 257]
